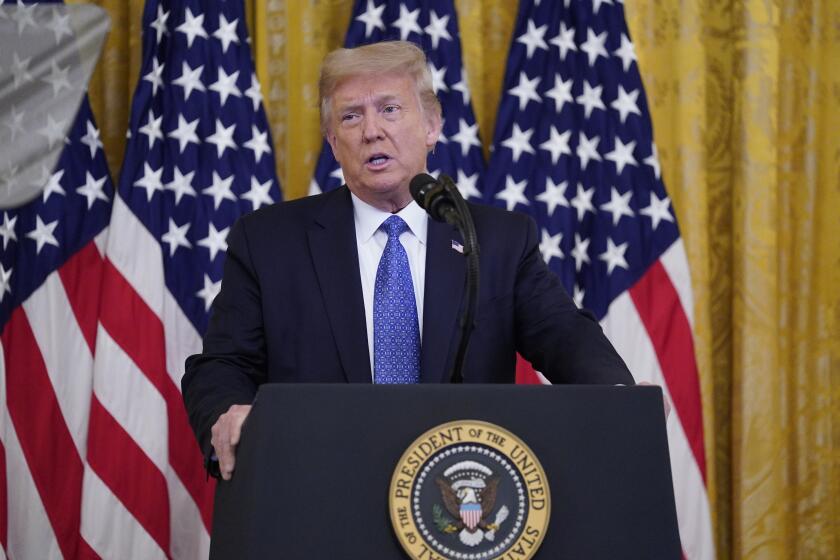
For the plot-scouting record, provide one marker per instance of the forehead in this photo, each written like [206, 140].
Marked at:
[360, 89]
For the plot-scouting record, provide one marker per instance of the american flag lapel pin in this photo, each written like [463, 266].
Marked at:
[457, 247]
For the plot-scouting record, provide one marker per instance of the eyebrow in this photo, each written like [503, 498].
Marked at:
[378, 100]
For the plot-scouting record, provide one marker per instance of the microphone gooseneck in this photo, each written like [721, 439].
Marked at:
[444, 203]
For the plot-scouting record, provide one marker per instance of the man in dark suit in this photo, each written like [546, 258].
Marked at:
[358, 285]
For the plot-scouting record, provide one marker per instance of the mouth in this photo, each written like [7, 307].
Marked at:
[377, 161]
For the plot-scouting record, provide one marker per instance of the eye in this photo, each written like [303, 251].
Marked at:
[348, 117]
[390, 109]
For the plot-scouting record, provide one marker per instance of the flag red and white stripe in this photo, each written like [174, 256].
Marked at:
[142, 449]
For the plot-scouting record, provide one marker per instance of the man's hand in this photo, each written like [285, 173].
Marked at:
[225, 436]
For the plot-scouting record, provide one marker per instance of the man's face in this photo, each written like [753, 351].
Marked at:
[380, 137]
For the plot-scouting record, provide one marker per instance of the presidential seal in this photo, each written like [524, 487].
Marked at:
[469, 490]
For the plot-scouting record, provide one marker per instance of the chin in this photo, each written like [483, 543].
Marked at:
[386, 186]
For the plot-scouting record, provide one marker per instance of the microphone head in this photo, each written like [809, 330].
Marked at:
[420, 186]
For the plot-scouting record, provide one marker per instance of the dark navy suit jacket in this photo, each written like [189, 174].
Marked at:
[291, 310]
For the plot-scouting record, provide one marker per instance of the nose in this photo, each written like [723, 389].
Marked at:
[371, 128]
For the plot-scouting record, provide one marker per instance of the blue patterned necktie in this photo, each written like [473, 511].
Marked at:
[396, 335]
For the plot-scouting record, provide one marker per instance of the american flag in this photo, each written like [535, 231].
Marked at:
[100, 460]
[50, 269]
[433, 26]
[573, 147]
[199, 156]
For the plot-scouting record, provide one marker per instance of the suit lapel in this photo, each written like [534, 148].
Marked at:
[442, 302]
[332, 242]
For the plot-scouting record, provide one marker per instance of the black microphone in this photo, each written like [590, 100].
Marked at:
[432, 197]
[444, 203]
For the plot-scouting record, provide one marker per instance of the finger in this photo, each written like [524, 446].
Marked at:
[226, 460]
[236, 424]
[224, 451]
[236, 430]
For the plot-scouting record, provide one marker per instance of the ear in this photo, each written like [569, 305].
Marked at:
[433, 130]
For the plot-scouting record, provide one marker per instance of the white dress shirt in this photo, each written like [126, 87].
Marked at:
[370, 242]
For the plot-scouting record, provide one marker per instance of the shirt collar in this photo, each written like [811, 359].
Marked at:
[368, 219]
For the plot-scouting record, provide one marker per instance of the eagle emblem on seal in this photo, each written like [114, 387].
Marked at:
[468, 491]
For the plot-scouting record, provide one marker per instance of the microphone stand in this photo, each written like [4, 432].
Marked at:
[467, 228]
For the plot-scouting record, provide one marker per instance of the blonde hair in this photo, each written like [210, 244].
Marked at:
[387, 57]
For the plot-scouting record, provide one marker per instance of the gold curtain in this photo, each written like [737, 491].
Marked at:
[746, 108]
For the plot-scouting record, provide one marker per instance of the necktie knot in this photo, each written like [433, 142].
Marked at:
[394, 227]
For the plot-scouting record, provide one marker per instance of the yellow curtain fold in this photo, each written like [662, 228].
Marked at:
[745, 101]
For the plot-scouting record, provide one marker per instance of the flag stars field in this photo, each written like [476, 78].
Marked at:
[619, 205]
[407, 22]
[192, 27]
[220, 189]
[155, 76]
[437, 29]
[59, 25]
[550, 246]
[557, 144]
[20, 70]
[209, 292]
[533, 39]
[216, 240]
[150, 181]
[582, 201]
[626, 52]
[565, 40]
[176, 236]
[5, 284]
[519, 142]
[372, 17]
[259, 194]
[554, 195]
[222, 138]
[185, 133]
[581, 252]
[159, 23]
[438, 78]
[190, 79]
[225, 85]
[513, 193]
[590, 99]
[14, 123]
[152, 129]
[622, 154]
[226, 33]
[43, 234]
[561, 93]
[526, 90]
[92, 189]
[181, 184]
[91, 139]
[7, 229]
[594, 46]
[53, 185]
